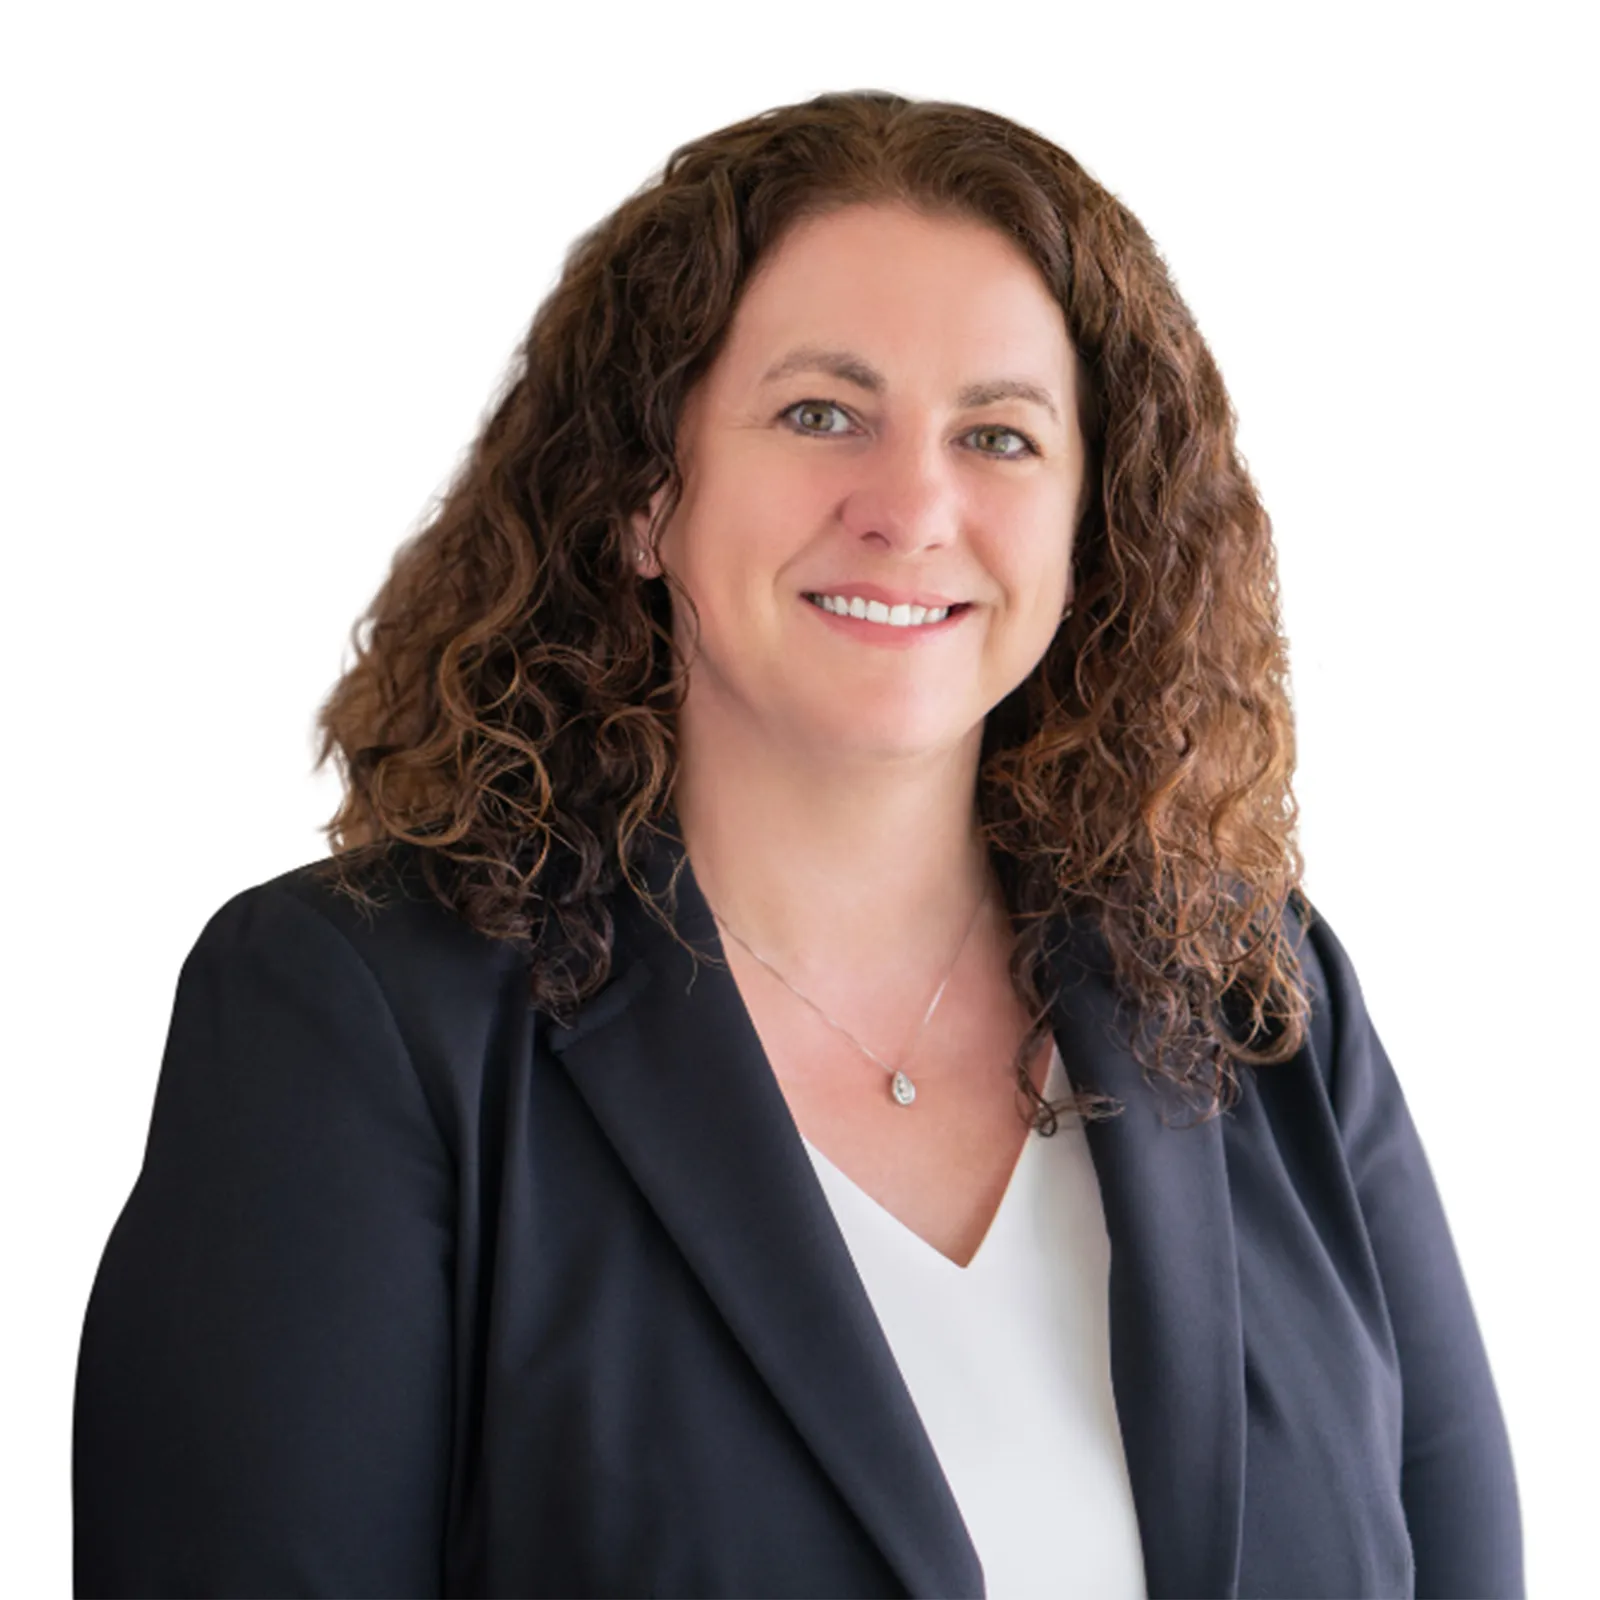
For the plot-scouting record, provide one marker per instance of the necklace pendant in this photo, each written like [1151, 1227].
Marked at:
[903, 1089]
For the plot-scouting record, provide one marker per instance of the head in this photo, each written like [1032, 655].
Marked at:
[652, 499]
[891, 415]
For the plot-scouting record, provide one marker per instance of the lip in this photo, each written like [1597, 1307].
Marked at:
[882, 634]
[890, 597]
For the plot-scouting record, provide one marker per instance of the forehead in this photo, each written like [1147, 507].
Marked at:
[921, 291]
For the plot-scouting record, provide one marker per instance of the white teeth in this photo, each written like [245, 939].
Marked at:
[903, 616]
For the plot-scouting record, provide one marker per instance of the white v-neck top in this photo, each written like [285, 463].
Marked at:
[1008, 1362]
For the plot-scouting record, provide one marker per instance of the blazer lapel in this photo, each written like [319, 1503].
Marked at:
[1177, 1347]
[671, 1066]
[669, 1062]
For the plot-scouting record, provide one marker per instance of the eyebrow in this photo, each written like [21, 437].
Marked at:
[850, 368]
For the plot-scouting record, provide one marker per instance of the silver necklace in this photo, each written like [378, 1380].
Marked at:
[901, 1088]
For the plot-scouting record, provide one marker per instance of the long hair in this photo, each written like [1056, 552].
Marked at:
[509, 715]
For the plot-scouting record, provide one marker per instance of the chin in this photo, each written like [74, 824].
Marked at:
[890, 734]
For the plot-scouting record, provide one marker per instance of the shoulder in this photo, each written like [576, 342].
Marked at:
[390, 918]
[1338, 1007]
[450, 991]
[1356, 1077]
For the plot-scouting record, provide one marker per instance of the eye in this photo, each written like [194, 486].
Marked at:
[800, 407]
[822, 408]
[1029, 448]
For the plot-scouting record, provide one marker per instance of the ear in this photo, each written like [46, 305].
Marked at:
[639, 525]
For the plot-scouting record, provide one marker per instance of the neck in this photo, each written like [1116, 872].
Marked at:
[852, 877]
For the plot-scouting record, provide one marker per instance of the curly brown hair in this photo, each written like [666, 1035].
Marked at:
[510, 711]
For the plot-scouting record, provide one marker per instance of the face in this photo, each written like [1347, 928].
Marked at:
[892, 419]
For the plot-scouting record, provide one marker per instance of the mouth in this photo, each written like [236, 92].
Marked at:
[910, 617]
[883, 631]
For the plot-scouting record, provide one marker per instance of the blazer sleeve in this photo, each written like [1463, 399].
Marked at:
[263, 1384]
[1457, 1480]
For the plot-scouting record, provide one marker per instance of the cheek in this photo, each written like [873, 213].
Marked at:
[724, 564]
[743, 510]
[1033, 570]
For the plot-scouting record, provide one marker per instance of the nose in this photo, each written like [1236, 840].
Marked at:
[903, 497]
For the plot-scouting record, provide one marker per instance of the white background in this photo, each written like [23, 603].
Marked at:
[267, 264]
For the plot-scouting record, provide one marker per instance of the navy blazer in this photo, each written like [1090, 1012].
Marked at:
[418, 1293]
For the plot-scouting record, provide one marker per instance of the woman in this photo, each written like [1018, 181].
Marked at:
[817, 804]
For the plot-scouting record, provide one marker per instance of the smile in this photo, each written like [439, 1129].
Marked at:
[876, 611]
[872, 622]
